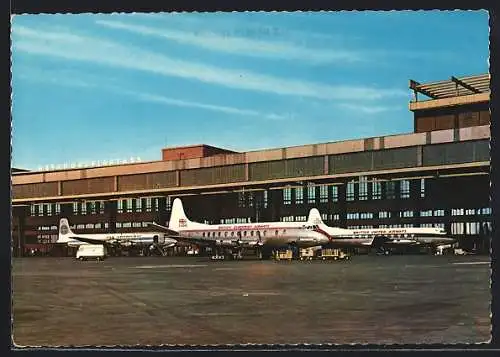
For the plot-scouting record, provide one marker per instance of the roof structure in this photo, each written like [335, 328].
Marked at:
[454, 87]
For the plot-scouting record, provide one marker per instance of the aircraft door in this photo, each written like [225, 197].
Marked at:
[259, 238]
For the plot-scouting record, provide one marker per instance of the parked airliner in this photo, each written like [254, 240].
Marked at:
[150, 240]
[263, 236]
[382, 236]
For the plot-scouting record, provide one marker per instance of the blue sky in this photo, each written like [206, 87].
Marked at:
[114, 86]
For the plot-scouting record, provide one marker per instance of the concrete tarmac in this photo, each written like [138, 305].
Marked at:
[165, 300]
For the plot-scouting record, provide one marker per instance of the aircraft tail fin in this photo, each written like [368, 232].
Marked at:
[314, 217]
[178, 218]
[64, 231]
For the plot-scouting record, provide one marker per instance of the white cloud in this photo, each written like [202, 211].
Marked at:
[367, 109]
[242, 45]
[217, 108]
[75, 79]
[97, 51]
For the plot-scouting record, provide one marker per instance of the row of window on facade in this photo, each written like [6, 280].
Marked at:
[387, 214]
[149, 204]
[363, 187]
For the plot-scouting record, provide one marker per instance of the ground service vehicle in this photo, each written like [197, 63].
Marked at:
[91, 251]
[333, 254]
[283, 255]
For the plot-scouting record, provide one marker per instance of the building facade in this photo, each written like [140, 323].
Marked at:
[436, 176]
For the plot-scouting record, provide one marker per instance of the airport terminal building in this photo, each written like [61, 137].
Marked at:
[436, 176]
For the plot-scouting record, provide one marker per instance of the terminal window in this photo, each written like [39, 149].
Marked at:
[406, 214]
[250, 199]
[168, 203]
[335, 193]
[138, 205]
[48, 209]
[299, 195]
[311, 194]
[350, 191]
[457, 228]
[363, 188]
[128, 205]
[241, 199]
[264, 199]
[287, 196]
[323, 194]
[486, 211]
[457, 212]
[390, 193]
[376, 190]
[439, 213]
[384, 214]
[472, 228]
[405, 189]
[427, 213]
[91, 208]
[154, 203]
[39, 209]
[422, 188]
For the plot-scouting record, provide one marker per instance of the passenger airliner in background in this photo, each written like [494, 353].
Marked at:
[383, 236]
[150, 240]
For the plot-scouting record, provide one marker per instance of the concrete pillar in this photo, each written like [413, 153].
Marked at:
[110, 208]
[342, 204]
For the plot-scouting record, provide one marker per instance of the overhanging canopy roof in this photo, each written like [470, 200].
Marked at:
[454, 87]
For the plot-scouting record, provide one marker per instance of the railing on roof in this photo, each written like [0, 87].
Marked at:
[454, 87]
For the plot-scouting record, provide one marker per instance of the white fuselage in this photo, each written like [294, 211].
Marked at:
[124, 239]
[255, 234]
[404, 236]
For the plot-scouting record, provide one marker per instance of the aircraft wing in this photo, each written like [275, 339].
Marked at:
[167, 230]
[90, 240]
[195, 241]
